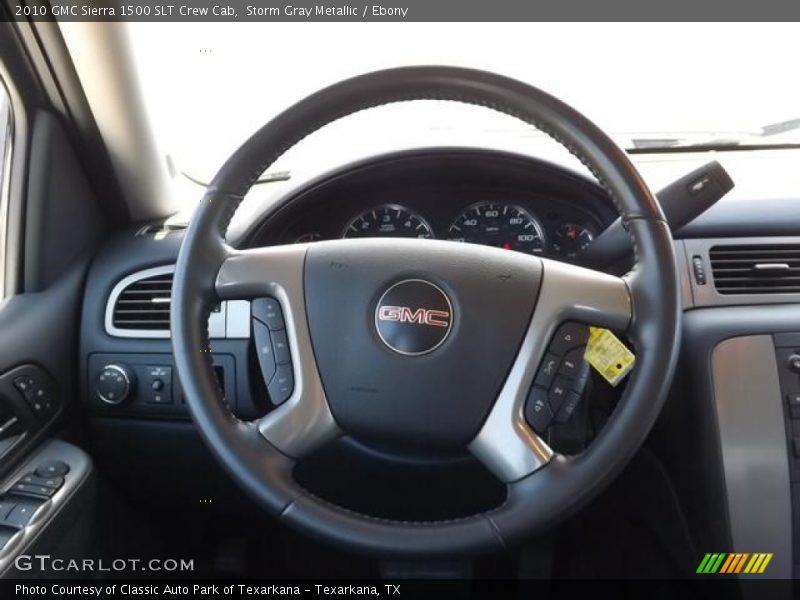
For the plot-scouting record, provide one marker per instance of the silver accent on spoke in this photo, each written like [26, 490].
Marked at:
[505, 443]
[304, 422]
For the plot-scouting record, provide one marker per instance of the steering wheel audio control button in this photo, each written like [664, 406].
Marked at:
[537, 410]
[558, 392]
[569, 336]
[548, 370]
[568, 407]
[572, 363]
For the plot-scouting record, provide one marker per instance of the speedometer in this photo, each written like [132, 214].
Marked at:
[389, 220]
[499, 224]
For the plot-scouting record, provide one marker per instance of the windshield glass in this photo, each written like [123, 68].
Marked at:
[652, 86]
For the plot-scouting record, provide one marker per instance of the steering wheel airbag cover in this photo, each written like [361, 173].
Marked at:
[439, 399]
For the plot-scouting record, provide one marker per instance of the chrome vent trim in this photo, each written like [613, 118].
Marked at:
[154, 286]
[755, 268]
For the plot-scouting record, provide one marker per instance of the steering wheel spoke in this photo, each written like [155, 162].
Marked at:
[303, 422]
[506, 443]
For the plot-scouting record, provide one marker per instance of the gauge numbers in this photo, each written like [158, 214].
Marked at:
[389, 220]
[499, 224]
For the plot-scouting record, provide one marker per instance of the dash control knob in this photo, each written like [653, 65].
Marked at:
[794, 362]
[115, 383]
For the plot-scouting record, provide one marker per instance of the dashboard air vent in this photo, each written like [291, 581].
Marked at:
[144, 304]
[756, 269]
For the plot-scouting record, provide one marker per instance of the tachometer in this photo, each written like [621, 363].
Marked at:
[389, 220]
[499, 224]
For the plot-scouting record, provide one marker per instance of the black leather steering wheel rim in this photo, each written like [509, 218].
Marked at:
[536, 501]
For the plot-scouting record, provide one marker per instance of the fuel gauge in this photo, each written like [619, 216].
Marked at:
[570, 239]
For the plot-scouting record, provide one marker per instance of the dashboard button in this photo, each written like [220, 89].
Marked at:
[569, 336]
[52, 468]
[537, 410]
[548, 370]
[281, 386]
[268, 311]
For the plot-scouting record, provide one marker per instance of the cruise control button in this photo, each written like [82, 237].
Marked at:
[568, 407]
[558, 391]
[280, 344]
[52, 468]
[266, 356]
[548, 370]
[537, 410]
[281, 386]
[268, 311]
[569, 336]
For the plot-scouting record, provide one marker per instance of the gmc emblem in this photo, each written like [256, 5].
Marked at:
[421, 316]
[406, 306]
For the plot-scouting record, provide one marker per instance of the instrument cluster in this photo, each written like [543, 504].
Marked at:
[507, 225]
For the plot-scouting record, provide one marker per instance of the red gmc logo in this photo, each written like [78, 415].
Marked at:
[420, 316]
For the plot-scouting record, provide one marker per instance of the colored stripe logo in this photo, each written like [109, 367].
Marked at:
[738, 562]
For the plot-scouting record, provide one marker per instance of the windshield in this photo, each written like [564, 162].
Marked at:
[652, 86]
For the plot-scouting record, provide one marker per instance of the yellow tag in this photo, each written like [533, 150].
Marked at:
[608, 355]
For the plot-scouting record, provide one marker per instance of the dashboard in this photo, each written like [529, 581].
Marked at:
[464, 195]
[737, 347]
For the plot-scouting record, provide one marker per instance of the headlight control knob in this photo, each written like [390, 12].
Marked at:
[115, 383]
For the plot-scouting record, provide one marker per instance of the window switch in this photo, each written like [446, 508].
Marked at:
[6, 506]
[35, 490]
[53, 482]
[22, 513]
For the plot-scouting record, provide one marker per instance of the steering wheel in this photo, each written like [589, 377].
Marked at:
[421, 341]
